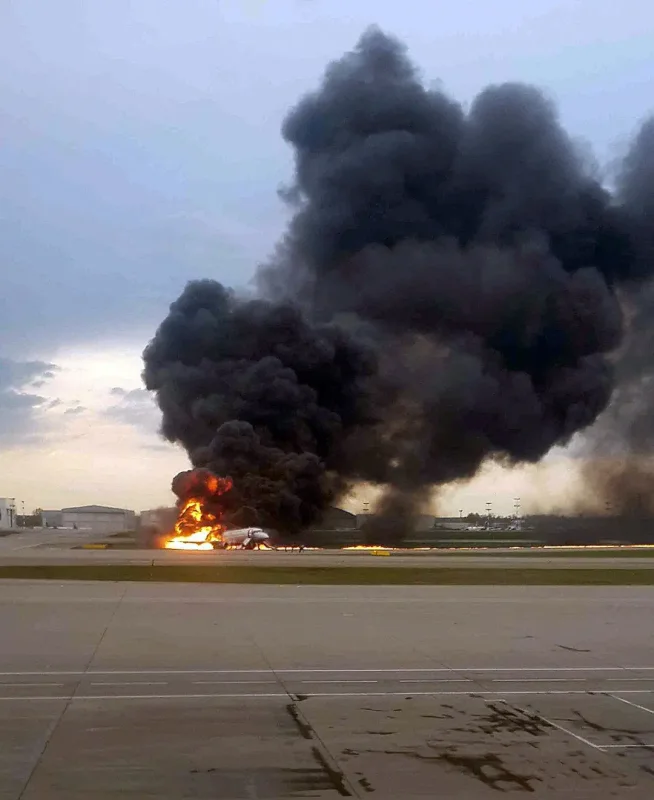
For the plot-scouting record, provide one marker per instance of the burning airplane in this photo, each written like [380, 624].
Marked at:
[200, 523]
[454, 287]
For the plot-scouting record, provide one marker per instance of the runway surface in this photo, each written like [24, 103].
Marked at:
[169, 691]
[61, 548]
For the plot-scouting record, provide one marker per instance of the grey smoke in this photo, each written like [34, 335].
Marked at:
[447, 292]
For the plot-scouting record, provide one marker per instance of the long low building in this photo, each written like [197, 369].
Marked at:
[98, 518]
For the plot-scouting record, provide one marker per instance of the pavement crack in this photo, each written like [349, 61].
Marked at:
[336, 776]
[322, 754]
[46, 741]
[96, 649]
[303, 726]
[55, 724]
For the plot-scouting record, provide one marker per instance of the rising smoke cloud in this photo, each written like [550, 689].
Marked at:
[618, 470]
[447, 292]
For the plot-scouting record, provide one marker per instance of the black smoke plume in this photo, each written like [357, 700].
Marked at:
[251, 389]
[447, 292]
[619, 469]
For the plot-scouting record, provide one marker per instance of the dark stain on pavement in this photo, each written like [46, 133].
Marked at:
[490, 770]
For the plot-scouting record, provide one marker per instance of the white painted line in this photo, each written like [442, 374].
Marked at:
[37, 697]
[406, 693]
[562, 729]
[475, 693]
[436, 680]
[345, 680]
[538, 716]
[231, 683]
[312, 670]
[31, 684]
[130, 683]
[541, 680]
[629, 703]
[622, 746]
[146, 696]
[549, 669]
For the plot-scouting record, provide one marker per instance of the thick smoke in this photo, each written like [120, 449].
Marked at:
[620, 472]
[447, 292]
[252, 390]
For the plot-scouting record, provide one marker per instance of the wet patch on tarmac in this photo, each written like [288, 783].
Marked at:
[490, 770]
[262, 782]
[494, 744]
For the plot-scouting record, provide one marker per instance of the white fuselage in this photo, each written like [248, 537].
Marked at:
[245, 538]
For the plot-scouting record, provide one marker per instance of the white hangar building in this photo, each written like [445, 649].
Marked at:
[98, 518]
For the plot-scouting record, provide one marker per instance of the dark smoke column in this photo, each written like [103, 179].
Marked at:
[619, 472]
[471, 253]
[251, 390]
[476, 248]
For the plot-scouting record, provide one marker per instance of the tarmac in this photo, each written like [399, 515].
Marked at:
[64, 547]
[169, 691]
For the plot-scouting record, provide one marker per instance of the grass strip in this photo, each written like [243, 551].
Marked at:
[562, 553]
[338, 576]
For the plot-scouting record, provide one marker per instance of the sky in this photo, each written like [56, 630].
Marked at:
[140, 148]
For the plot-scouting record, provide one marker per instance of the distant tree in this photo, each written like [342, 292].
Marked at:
[28, 520]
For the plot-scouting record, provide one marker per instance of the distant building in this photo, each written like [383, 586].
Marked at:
[7, 513]
[98, 518]
[453, 523]
[336, 519]
[51, 519]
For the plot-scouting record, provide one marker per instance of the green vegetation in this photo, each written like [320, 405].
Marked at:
[341, 575]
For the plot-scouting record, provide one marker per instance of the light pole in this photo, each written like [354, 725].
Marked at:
[489, 512]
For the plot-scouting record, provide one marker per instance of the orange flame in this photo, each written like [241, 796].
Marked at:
[197, 528]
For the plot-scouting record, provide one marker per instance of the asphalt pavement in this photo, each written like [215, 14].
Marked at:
[205, 691]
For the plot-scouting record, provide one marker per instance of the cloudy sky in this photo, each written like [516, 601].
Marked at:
[140, 148]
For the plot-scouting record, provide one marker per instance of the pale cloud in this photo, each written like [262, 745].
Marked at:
[21, 417]
[102, 462]
[135, 407]
[75, 410]
[95, 448]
